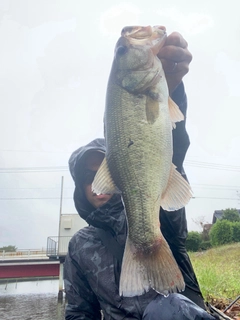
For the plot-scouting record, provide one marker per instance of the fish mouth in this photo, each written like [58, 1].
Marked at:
[139, 32]
[136, 32]
[153, 36]
[158, 38]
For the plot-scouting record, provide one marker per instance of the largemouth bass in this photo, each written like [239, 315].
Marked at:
[139, 118]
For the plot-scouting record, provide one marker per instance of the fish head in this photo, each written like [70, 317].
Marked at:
[136, 65]
[153, 36]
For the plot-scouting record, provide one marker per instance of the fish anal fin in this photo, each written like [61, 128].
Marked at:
[175, 113]
[152, 109]
[103, 182]
[142, 271]
[178, 192]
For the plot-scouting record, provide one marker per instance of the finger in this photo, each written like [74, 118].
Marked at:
[170, 67]
[175, 54]
[176, 39]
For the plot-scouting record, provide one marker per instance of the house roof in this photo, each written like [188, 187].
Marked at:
[218, 215]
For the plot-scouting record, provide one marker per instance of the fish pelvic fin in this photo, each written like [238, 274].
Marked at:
[178, 192]
[103, 182]
[156, 269]
[175, 113]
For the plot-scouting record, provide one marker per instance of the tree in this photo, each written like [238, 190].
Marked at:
[231, 215]
[221, 233]
[200, 221]
[236, 231]
[193, 241]
[9, 248]
[205, 226]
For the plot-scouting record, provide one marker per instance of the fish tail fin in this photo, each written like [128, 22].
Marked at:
[156, 269]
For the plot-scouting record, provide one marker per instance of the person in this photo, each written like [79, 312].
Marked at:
[93, 264]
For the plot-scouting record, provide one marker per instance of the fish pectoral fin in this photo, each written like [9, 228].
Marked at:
[142, 271]
[152, 110]
[103, 182]
[175, 113]
[178, 192]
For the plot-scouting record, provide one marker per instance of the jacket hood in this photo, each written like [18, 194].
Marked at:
[83, 207]
[77, 158]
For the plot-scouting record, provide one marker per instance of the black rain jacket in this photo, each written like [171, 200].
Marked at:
[91, 271]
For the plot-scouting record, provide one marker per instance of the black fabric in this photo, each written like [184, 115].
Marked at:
[174, 224]
[174, 229]
[174, 307]
[194, 295]
[115, 248]
[111, 243]
[181, 140]
[76, 166]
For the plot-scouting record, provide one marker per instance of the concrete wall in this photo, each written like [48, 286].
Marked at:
[70, 224]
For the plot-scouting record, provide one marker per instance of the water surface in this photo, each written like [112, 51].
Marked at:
[36, 300]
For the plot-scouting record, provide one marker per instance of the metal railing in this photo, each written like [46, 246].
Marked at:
[23, 254]
[57, 246]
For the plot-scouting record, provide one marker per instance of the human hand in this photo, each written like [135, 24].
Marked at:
[175, 59]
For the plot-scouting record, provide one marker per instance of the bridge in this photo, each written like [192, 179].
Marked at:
[35, 264]
[27, 264]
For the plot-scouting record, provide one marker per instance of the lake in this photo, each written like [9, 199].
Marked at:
[28, 300]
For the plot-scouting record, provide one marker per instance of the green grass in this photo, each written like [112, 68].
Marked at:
[218, 271]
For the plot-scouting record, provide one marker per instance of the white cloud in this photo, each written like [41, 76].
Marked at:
[229, 69]
[191, 23]
[115, 18]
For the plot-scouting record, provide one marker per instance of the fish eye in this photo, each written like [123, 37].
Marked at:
[121, 50]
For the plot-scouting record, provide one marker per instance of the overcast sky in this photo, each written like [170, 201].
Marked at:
[55, 61]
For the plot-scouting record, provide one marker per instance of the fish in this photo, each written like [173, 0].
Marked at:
[138, 121]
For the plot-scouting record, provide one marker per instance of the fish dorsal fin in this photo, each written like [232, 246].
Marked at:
[178, 192]
[103, 182]
[175, 113]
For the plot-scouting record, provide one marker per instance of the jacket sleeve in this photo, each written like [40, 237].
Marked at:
[174, 224]
[180, 137]
[82, 302]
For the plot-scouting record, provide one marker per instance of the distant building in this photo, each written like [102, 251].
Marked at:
[217, 215]
[57, 246]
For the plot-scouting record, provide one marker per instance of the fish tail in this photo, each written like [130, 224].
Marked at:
[142, 271]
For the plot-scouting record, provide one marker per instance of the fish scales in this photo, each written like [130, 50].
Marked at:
[133, 151]
[138, 161]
